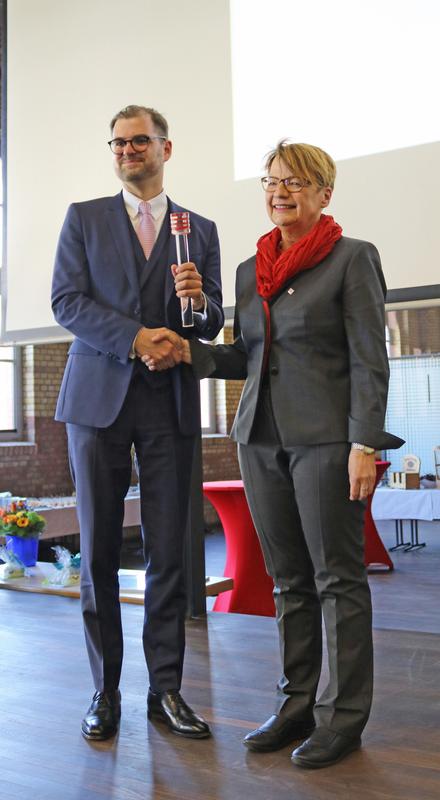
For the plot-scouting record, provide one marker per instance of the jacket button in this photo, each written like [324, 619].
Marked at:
[274, 370]
[137, 311]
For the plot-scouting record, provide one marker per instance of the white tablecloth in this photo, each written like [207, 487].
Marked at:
[406, 504]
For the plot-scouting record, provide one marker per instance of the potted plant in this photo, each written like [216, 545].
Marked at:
[22, 528]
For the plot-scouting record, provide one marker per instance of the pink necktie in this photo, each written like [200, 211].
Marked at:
[145, 230]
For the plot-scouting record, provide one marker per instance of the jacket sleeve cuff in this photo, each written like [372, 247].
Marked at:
[372, 436]
[203, 363]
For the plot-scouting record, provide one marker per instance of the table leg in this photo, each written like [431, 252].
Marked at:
[399, 536]
[415, 544]
[375, 554]
[252, 592]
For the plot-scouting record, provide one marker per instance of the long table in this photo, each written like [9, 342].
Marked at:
[422, 504]
[131, 583]
[62, 520]
[410, 505]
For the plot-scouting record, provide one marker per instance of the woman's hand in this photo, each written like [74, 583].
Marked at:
[181, 351]
[362, 474]
[159, 346]
[186, 352]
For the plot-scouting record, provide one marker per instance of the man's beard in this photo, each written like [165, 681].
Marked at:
[129, 174]
[143, 170]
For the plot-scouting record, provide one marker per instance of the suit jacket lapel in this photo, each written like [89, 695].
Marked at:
[118, 223]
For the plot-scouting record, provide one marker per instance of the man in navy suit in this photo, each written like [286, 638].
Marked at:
[117, 296]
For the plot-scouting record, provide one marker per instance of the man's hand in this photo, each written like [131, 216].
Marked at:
[160, 345]
[188, 283]
[185, 352]
[362, 474]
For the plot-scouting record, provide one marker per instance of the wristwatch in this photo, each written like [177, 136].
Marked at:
[368, 451]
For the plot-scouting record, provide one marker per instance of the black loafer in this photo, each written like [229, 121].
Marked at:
[102, 718]
[324, 748]
[170, 707]
[277, 732]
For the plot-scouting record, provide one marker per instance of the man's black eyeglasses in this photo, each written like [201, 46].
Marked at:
[139, 143]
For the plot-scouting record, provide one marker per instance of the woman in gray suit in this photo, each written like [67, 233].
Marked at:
[309, 340]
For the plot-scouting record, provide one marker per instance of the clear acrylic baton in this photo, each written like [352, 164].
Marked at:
[180, 228]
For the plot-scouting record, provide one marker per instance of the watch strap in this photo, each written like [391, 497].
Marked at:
[368, 451]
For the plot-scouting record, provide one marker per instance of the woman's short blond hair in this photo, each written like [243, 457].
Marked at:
[305, 161]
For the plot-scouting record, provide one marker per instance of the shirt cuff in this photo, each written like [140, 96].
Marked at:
[201, 314]
[132, 353]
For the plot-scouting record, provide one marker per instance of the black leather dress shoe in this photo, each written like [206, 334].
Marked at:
[170, 707]
[324, 748]
[276, 732]
[102, 718]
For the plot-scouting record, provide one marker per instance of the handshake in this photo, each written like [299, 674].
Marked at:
[161, 348]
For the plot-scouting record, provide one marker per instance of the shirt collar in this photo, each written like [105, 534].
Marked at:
[159, 204]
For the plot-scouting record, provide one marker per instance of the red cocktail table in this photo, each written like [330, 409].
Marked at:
[252, 592]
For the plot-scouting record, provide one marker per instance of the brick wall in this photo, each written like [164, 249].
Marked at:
[39, 465]
[414, 331]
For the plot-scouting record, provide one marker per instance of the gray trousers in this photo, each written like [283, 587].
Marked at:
[311, 535]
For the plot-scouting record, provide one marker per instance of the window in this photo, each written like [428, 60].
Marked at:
[413, 411]
[10, 357]
[207, 406]
[10, 406]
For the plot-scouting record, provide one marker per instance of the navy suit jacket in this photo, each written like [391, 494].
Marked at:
[96, 295]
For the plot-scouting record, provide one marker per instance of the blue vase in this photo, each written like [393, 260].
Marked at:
[25, 549]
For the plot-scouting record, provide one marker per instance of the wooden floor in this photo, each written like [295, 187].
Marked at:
[230, 671]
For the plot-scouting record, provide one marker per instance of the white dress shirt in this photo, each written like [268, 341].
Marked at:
[158, 204]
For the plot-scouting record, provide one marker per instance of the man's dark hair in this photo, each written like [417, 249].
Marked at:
[128, 112]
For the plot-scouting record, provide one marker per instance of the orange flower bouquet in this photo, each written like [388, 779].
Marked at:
[18, 520]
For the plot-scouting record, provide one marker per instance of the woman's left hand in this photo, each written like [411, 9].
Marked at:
[362, 474]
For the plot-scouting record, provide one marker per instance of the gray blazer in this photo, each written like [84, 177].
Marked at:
[328, 364]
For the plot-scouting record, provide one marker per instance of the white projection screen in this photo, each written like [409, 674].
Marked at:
[354, 79]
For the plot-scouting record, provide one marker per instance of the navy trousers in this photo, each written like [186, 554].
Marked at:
[101, 467]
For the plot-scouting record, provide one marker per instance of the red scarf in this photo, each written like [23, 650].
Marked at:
[274, 269]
